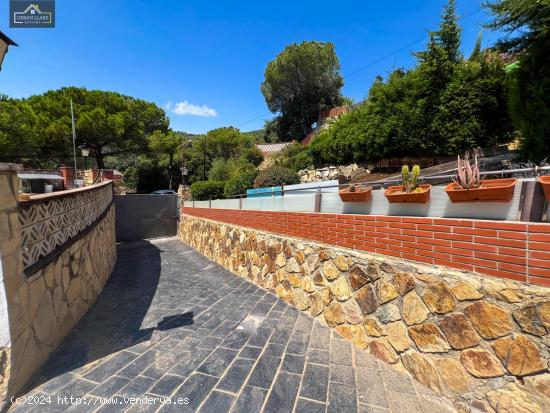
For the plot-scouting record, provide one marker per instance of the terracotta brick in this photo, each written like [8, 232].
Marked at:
[513, 259]
[540, 281]
[544, 228]
[475, 261]
[503, 274]
[539, 237]
[414, 220]
[502, 225]
[539, 272]
[453, 222]
[434, 228]
[539, 246]
[476, 231]
[454, 264]
[500, 242]
[541, 255]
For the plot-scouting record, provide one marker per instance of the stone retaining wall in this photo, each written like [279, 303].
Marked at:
[56, 254]
[481, 341]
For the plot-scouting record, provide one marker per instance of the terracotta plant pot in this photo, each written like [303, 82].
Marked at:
[545, 182]
[491, 190]
[360, 195]
[395, 194]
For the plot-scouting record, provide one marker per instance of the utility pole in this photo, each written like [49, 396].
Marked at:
[74, 137]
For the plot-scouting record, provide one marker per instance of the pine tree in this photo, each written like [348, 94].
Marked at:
[450, 33]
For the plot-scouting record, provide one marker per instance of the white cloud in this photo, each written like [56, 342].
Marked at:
[186, 108]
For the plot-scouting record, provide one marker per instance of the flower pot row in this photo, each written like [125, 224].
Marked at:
[490, 190]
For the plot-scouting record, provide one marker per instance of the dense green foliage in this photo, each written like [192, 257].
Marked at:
[166, 144]
[302, 80]
[444, 105]
[239, 184]
[527, 27]
[39, 128]
[205, 190]
[276, 175]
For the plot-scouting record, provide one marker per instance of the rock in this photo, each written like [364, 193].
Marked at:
[381, 349]
[422, 368]
[397, 336]
[292, 265]
[357, 277]
[544, 314]
[330, 271]
[307, 284]
[511, 399]
[374, 328]
[464, 291]
[340, 289]
[317, 304]
[490, 320]
[281, 260]
[359, 336]
[300, 257]
[372, 272]
[414, 310]
[282, 293]
[499, 291]
[326, 294]
[45, 324]
[454, 380]
[366, 299]
[312, 261]
[428, 338]
[439, 298]
[341, 263]
[538, 384]
[300, 299]
[295, 280]
[519, 355]
[352, 311]
[345, 331]
[459, 331]
[404, 282]
[318, 278]
[324, 255]
[388, 313]
[334, 314]
[528, 319]
[480, 363]
[386, 291]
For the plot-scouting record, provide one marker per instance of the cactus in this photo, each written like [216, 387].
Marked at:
[467, 175]
[410, 180]
[405, 177]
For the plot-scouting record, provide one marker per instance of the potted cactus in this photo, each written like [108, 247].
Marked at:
[410, 191]
[468, 186]
[545, 182]
[353, 193]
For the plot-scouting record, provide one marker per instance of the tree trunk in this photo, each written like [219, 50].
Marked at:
[170, 171]
[99, 159]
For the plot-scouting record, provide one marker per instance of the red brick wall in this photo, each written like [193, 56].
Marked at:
[513, 250]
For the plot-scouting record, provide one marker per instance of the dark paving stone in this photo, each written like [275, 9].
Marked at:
[209, 342]
[400, 402]
[342, 398]
[55, 384]
[260, 337]
[166, 385]
[293, 363]
[250, 400]
[309, 406]
[365, 408]
[399, 383]
[110, 386]
[116, 404]
[139, 364]
[318, 356]
[315, 382]
[217, 362]
[236, 375]
[370, 388]
[343, 374]
[298, 344]
[195, 389]
[281, 335]
[190, 362]
[340, 352]
[217, 402]
[283, 394]
[137, 387]
[76, 388]
[250, 352]
[275, 350]
[111, 366]
[264, 372]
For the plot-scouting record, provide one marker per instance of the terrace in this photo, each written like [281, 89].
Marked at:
[251, 309]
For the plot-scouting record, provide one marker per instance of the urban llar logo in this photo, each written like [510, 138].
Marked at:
[32, 14]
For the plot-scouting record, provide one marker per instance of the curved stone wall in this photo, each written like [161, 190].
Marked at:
[56, 254]
[481, 341]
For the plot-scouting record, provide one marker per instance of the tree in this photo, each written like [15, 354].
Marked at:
[527, 27]
[106, 122]
[302, 80]
[168, 144]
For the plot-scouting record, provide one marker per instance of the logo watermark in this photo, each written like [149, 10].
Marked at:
[32, 14]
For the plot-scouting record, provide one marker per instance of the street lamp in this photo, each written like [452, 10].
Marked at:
[5, 42]
[184, 171]
[85, 154]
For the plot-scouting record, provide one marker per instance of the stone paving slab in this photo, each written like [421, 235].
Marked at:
[172, 325]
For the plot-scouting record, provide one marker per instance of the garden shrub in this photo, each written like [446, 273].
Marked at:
[205, 190]
[239, 184]
[276, 175]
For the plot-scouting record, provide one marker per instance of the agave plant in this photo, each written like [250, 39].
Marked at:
[467, 175]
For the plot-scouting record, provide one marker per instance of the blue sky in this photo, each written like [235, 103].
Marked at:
[204, 61]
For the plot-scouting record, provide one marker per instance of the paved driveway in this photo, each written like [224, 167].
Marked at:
[175, 332]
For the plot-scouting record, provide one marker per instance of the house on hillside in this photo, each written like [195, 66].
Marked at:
[326, 117]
